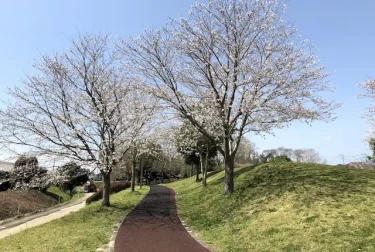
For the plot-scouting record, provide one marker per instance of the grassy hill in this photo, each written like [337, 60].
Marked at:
[26, 201]
[31, 201]
[64, 197]
[284, 207]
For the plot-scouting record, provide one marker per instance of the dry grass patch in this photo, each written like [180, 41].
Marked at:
[27, 201]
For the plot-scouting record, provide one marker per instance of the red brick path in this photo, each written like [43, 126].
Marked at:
[154, 226]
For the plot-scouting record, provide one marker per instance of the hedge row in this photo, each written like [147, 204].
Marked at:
[115, 187]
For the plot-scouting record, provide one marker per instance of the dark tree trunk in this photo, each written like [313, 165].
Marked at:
[202, 168]
[197, 175]
[204, 180]
[106, 189]
[139, 175]
[134, 163]
[229, 180]
[141, 182]
[133, 178]
[229, 168]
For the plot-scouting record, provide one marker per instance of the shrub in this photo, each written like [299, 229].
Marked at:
[282, 158]
[115, 187]
[71, 175]
[27, 174]
[25, 160]
[4, 180]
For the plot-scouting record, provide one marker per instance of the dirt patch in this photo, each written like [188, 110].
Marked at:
[26, 201]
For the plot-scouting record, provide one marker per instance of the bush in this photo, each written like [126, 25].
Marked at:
[29, 177]
[115, 187]
[282, 158]
[25, 160]
[71, 175]
[4, 180]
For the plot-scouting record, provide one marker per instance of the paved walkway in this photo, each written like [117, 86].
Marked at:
[154, 226]
[18, 225]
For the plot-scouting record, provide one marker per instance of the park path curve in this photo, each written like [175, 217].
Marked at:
[18, 225]
[155, 226]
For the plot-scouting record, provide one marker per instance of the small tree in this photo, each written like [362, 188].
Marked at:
[371, 143]
[246, 151]
[195, 146]
[191, 158]
[71, 175]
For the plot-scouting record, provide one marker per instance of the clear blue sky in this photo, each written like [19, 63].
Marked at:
[341, 29]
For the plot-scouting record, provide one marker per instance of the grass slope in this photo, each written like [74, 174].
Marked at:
[64, 197]
[85, 230]
[27, 201]
[284, 207]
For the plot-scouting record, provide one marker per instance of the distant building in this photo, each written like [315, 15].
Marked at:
[6, 166]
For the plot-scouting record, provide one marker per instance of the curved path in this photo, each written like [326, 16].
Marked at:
[154, 226]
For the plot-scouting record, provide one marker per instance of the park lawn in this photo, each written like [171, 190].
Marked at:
[85, 230]
[283, 207]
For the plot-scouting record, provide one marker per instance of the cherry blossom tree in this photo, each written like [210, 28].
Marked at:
[80, 105]
[230, 68]
[245, 151]
[27, 174]
[71, 175]
[194, 145]
[369, 92]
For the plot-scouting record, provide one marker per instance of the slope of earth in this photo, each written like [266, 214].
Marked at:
[283, 207]
[83, 231]
[25, 201]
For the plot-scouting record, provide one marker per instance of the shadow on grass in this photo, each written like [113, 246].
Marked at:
[213, 173]
[237, 172]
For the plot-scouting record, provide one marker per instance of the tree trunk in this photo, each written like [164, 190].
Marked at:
[191, 170]
[229, 168]
[204, 180]
[139, 174]
[197, 175]
[141, 184]
[202, 169]
[229, 180]
[106, 189]
[134, 163]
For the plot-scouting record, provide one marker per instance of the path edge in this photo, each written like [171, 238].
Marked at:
[110, 246]
[187, 228]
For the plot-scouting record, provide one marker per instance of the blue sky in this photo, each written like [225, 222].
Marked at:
[341, 29]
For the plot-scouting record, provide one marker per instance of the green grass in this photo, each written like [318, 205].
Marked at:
[284, 207]
[85, 230]
[65, 197]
